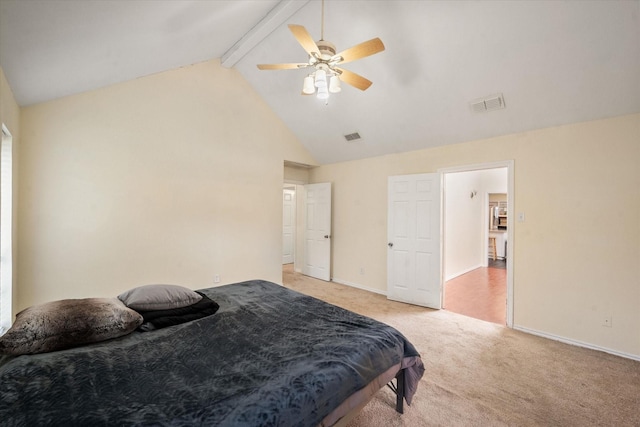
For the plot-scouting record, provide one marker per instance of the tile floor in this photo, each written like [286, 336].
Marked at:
[480, 293]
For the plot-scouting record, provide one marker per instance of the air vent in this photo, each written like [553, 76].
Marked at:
[489, 103]
[352, 136]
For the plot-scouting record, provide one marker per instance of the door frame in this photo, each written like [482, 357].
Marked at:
[299, 247]
[293, 188]
[509, 164]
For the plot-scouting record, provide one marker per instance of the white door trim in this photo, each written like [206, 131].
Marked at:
[298, 258]
[509, 164]
[289, 228]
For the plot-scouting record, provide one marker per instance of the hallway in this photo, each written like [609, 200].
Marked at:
[480, 293]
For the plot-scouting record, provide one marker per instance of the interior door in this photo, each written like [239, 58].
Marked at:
[317, 231]
[413, 258]
[288, 225]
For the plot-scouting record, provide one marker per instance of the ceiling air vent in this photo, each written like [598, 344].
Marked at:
[352, 136]
[489, 103]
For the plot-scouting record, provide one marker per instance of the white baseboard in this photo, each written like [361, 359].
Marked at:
[358, 286]
[577, 343]
[460, 273]
[518, 328]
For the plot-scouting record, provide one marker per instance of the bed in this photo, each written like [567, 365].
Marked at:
[269, 357]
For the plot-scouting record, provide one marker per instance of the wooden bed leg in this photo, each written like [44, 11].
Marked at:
[400, 391]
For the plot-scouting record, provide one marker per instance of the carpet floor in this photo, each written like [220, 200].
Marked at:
[483, 374]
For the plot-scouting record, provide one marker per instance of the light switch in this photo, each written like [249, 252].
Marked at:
[520, 216]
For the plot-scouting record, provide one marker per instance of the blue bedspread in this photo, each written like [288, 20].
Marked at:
[269, 357]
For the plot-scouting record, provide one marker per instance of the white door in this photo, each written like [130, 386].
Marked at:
[413, 259]
[288, 225]
[317, 231]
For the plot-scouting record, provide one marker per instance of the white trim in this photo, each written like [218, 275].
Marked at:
[6, 230]
[453, 276]
[577, 343]
[274, 19]
[294, 181]
[292, 188]
[358, 286]
[509, 164]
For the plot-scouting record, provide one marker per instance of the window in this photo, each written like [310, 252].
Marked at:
[6, 220]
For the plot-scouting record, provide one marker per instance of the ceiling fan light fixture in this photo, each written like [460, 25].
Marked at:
[321, 78]
[334, 84]
[308, 86]
[323, 92]
[323, 59]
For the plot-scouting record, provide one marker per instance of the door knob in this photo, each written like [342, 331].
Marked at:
[390, 245]
[326, 236]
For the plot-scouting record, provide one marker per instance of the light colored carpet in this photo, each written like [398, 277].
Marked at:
[483, 374]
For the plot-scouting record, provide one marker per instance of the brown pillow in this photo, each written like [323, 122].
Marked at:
[68, 323]
[159, 297]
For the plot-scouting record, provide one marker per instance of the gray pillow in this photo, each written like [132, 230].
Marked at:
[159, 297]
[68, 323]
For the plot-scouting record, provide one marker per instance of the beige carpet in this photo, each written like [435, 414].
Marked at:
[483, 374]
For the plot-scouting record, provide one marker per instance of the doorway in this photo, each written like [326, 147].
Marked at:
[288, 224]
[306, 230]
[474, 284]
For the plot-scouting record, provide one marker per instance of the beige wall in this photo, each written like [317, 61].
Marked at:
[296, 175]
[176, 177]
[577, 255]
[10, 117]
[171, 178]
[9, 110]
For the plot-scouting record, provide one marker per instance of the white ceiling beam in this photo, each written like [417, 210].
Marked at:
[276, 17]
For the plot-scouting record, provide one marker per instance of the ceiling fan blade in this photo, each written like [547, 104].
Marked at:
[282, 66]
[361, 50]
[304, 38]
[355, 80]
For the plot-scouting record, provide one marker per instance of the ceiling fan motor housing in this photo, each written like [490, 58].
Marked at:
[327, 49]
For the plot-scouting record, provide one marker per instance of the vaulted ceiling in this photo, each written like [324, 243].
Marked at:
[554, 62]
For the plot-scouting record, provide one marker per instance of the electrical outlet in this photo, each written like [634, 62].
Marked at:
[607, 321]
[216, 278]
[361, 270]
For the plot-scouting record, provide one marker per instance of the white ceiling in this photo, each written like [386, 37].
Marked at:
[555, 62]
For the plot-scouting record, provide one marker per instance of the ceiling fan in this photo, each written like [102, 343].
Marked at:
[323, 59]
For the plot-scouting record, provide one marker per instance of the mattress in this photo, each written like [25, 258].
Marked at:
[270, 356]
